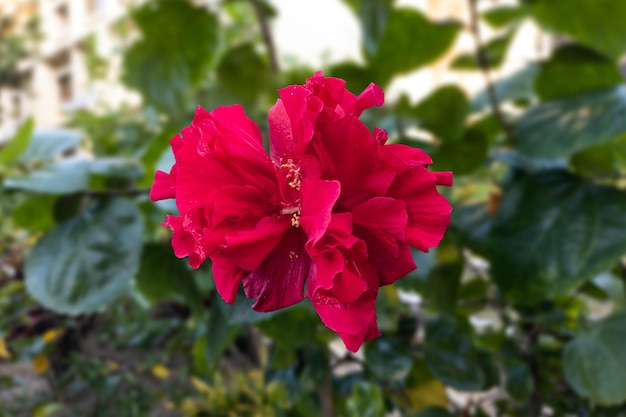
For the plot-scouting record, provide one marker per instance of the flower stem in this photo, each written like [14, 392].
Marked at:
[267, 34]
[483, 62]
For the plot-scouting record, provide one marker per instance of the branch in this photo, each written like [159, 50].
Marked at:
[130, 192]
[267, 34]
[483, 62]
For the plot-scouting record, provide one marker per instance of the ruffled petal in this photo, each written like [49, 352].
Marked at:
[249, 248]
[318, 200]
[227, 277]
[163, 187]
[279, 281]
[428, 211]
[354, 322]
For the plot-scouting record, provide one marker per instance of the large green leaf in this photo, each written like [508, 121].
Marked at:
[388, 359]
[443, 112]
[82, 264]
[174, 54]
[606, 159]
[462, 156]
[561, 127]
[61, 177]
[451, 357]
[161, 276]
[552, 232]
[36, 213]
[18, 144]
[595, 362]
[373, 15]
[243, 73]
[599, 24]
[47, 144]
[293, 327]
[410, 40]
[575, 69]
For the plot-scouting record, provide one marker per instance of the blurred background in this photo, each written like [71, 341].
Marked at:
[519, 312]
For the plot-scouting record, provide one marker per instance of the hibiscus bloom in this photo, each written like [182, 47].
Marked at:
[330, 215]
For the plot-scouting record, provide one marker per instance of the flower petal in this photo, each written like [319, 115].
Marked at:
[227, 277]
[279, 281]
[163, 187]
[318, 200]
[428, 211]
[249, 248]
[354, 322]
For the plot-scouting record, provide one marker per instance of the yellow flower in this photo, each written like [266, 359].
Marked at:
[41, 364]
[4, 351]
[161, 372]
[51, 335]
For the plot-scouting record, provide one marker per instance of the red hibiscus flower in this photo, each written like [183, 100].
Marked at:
[330, 216]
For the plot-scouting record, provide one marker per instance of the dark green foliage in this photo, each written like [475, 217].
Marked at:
[82, 264]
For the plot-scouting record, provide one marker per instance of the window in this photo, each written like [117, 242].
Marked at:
[65, 87]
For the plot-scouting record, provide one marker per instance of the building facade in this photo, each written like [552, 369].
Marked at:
[56, 76]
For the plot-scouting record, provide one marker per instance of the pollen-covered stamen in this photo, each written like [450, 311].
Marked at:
[293, 175]
[295, 215]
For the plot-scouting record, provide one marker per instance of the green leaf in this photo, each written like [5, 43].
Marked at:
[117, 167]
[36, 213]
[421, 388]
[410, 40]
[472, 223]
[293, 327]
[373, 15]
[594, 363]
[431, 412]
[575, 69]
[462, 156]
[47, 144]
[606, 159]
[62, 177]
[599, 24]
[366, 400]
[174, 54]
[217, 335]
[517, 86]
[495, 52]
[552, 232]
[82, 264]
[518, 380]
[11, 151]
[388, 359]
[243, 72]
[450, 355]
[561, 127]
[161, 276]
[501, 16]
[443, 112]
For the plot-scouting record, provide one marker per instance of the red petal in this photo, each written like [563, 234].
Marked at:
[279, 281]
[354, 322]
[249, 248]
[428, 211]
[382, 214]
[318, 199]
[291, 121]
[163, 187]
[227, 277]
